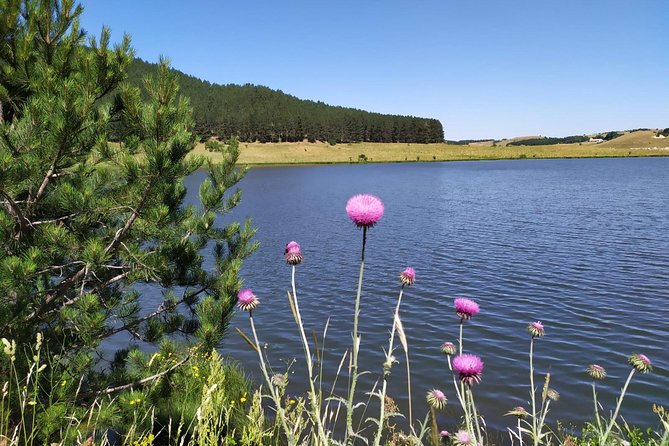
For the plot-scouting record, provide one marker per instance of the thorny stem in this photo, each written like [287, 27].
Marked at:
[354, 356]
[315, 403]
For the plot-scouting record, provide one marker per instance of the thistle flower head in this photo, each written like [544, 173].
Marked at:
[436, 399]
[552, 394]
[443, 433]
[408, 276]
[365, 210]
[641, 363]
[536, 329]
[388, 364]
[469, 368]
[465, 308]
[448, 348]
[280, 380]
[518, 411]
[596, 371]
[293, 253]
[463, 438]
[247, 300]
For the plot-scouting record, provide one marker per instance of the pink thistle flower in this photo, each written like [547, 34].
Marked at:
[436, 399]
[293, 253]
[641, 363]
[444, 433]
[448, 348]
[408, 276]
[365, 210]
[247, 300]
[469, 368]
[465, 308]
[463, 438]
[536, 329]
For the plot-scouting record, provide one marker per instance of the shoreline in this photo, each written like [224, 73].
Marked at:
[632, 145]
[341, 163]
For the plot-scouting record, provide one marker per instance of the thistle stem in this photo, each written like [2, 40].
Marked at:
[389, 354]
[435, 434]
[599, 421]
[461, 393]
[461, 324]
[406, 356]
[535, 434]
[475, 415]
[315, 403]
[354, 356]
[618, 404]
[275, 396]
[458, 392]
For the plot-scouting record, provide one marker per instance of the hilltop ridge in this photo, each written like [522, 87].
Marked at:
[258, 113]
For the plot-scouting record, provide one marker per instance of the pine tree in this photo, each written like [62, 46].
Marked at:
[87, 225]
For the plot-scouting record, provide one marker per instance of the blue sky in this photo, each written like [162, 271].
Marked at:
[484, 68]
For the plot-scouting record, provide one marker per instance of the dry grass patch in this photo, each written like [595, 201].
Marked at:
[323, 153]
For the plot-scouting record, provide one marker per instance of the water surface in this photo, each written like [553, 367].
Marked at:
[582, 245]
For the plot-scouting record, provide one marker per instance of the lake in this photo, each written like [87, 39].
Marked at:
[582, 245]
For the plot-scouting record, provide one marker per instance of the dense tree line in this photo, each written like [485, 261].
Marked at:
[549, 141]
[256, 113]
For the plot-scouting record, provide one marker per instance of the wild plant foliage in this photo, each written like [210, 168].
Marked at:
[84, 222]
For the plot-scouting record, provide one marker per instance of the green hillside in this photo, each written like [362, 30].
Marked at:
[256, 113]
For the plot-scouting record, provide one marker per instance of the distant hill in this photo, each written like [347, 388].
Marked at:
[614, 139]
[256, 113]
[637, 139]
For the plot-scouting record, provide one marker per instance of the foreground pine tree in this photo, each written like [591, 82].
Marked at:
[89, 228]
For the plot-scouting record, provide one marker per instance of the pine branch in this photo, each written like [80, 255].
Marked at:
[161, 309]
[15, 212]
[141, 382]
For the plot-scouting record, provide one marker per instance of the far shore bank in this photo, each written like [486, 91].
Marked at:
[637, 144]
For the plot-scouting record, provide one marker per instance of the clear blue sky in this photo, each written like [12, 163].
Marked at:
[484, 68]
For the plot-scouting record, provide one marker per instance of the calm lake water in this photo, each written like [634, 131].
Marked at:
[582, 245]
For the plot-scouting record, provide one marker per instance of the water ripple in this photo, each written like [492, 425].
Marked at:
[582, 245]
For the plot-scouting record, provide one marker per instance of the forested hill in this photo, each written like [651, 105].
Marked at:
[256, 113]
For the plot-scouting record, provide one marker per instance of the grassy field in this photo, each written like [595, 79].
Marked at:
[634, 144]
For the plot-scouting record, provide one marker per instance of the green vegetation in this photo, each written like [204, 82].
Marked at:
[86, 227]
[256, 113]
[546, 141]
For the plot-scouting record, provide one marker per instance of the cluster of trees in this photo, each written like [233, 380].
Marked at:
[609, 135]
[256, 113]
[664, 132]
[549, 141]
